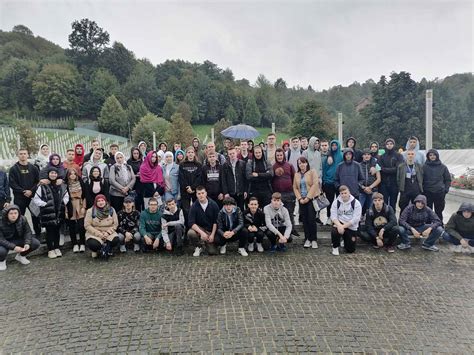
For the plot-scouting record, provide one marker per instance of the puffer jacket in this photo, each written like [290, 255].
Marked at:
[10, 231]
[52, 208]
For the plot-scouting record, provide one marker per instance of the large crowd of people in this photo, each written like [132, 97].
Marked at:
[167, 198]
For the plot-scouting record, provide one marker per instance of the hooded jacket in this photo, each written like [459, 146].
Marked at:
[276, 218]
[292, 156]
[189, 175]
[376, 220]
[284, 182]
[262, 182]
[344, 212]
[389, 162]
[460, 227]
[79, 159]
[349, 173]
[413, 217]
[212, 179]
[329, 170]
[86, 168]
[357, 152]
[419, 156]
[313, 156]
[234, 184]
[60, 168]
[20, 229]
[230, 222]
[436, 176]
[88, 156]
[376, 154]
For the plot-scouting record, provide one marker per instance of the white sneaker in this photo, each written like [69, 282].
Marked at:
[82, 248]
[123, 249]
[307, 243]
[94, 254]
[335, 251]
[58, 252]
[223, 249]
[22, 259]
[314, 244]
[61, 240]
[3, 265]
[136, 247]
[251, 247]
[75, 249]
[468, 250]
[260, 247]
[197, 251]
[457, 248]
[242, 252]
[52, 254]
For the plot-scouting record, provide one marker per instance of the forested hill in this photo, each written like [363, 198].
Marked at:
[38, 77]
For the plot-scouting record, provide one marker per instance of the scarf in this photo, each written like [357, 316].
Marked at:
[75, 189]
[150, 172]
[50, 164]
[79, 159]
[101, 213]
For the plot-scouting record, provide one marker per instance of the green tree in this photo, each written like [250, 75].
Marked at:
[102, 85]
[87, 41]
[312, 119]
[119, 61]
[218, 128]
[22, 29]
[27, 136]
[185, 111]
[16, 83]
[135, 111]
[55, 90]
[143, 131]
[230, 114]
[112, 117]
[169, 108]
[252, 114]
[180, 130]
[141, 85]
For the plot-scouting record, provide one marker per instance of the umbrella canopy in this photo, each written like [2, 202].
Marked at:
[240, 131]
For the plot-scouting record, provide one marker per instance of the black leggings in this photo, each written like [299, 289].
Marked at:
[309, 221]
[77, 226]
[52, 237]
[95, 246]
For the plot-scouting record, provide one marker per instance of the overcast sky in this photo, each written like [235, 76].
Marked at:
[322, 43]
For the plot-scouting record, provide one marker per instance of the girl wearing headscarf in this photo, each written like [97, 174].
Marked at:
[101, 224]
[171, 176]
[76, 210]
[151, 176]
[51, 198]
[95, 185]
[79, 155]
[97, 159]
[121, 180]
[179, 156]
[259, 176]
[135, 161]
[42, 158]
[160, 154]
[54, 162]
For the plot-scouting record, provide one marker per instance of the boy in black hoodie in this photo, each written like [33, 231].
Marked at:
[189, 177]
[254, 225]
[212, 178]
[230, 222]
[389, 163]
[436, 182]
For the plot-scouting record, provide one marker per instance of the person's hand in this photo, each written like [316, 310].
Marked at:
[415, 233]
[279, 171]
[254, 174]
[148, 240]
[83, 210]
[204, 236]
[165, 224]
[128, 236]
[245, 195]
[381, 232]
[340, 229]
[44, 181]
[189, 190]
[27, 193]
[168, 246]
[228, 234]
[226, 196]
[19, 249]
[156, 243]
[252, 229]
[5, 205]
[282, 239]
[103, 237]
[26, 247]
[210, 239]
[220, 197]
[367, 190]
[464, 243]
[59, 181]
[373, 170]
[426, 232]
[330, 161]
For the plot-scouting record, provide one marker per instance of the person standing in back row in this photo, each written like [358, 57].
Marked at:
[389, 163]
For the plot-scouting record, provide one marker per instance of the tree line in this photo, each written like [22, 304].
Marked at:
[94, 78]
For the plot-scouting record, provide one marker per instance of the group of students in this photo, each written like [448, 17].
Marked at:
[163, 199]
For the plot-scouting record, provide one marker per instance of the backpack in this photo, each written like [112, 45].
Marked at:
[353, 203]
[371, 211]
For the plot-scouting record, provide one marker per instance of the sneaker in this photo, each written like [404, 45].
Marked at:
[403, 246]
[22, 259]
[335, 251]
[375, 246]
[242, 252]
[328, 222]
[52, 254]
[3, 265]
[123, 249]
[61, 240]
[260, 247]
[281, 247]
[295, 233]
[307, 243]
[75, 249]
[58, 253]
[94, 254]
[197, 251]
[223, 249]
[318, 220]
[272, 249]
[136, 247]
[251, 247]
[457, 248]
[82, 248]
[314, 244]
[390, 249]
[430, 247]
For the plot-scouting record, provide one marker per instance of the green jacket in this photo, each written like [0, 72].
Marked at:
[150, 223]
[460, 227]
[401, 174]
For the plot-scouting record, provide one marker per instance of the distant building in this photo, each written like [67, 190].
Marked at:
[366, 101]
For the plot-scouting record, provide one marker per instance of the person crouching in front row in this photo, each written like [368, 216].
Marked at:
[150, 225]
[128, 219]
[278, 223]
[345, 215]
[230, 222]
[101, 224]
[172, 226]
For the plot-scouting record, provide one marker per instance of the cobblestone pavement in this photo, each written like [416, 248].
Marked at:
[299, 301]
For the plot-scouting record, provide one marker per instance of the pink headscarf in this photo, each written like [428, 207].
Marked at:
[150, 172]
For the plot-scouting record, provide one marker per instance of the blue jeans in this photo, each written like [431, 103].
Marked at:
[365, 201]
[430, 241]
[449, 238]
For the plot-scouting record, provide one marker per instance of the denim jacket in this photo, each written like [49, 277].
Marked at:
[174, 173]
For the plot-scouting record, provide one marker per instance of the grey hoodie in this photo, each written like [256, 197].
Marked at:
[275, 218]
[419, 156]
[313, 156]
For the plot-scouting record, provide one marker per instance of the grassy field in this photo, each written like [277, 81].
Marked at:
[205, 130]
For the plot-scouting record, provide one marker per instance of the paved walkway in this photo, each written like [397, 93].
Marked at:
[299, 301]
